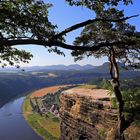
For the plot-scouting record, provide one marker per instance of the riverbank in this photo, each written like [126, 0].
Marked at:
[12, 123]
[41, 111]
[45, 124]
[46, 127]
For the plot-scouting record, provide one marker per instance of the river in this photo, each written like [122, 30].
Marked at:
[12, 123]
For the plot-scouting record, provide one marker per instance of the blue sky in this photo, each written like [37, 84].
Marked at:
[64, 16]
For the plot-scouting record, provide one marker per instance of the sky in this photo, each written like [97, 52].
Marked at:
[64, 16]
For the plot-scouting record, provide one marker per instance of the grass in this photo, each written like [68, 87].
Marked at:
[47, 127]
[101, 132]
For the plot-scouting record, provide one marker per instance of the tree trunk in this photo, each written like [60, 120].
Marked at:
[120, 104]
[114, 72]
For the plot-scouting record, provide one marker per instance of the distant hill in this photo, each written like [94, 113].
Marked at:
[104, 68]
[52, 67]
[60, 67]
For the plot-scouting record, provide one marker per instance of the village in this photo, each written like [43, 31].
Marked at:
[49, 102]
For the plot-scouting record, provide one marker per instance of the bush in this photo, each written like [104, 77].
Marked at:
[131, 98]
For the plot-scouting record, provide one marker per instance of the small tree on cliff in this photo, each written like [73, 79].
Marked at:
[26, 22]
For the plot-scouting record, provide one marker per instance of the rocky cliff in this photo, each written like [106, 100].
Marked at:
[87, 114]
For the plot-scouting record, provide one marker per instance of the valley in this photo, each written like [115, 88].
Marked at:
[42, 109]
[15, 82]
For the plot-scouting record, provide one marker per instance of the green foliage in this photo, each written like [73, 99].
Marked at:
[22, 19]
[101, 132]
[130, 92]
[106, 85]
[132, 100]
[107, 32]
[13, 56]
[55, 119]
[97, 5]
[113, 102]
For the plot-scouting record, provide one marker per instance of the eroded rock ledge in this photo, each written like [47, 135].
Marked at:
[86, 114]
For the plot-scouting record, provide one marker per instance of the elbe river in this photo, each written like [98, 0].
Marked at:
[12, 123]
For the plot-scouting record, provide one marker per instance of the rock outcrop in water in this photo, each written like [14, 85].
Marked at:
[87, 114]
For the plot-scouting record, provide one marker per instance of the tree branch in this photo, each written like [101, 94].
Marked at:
[63, 45]
[82, 24]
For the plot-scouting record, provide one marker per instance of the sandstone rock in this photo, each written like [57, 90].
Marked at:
[86, 114]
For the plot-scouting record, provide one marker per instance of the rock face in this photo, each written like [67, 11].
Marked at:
[86, 114]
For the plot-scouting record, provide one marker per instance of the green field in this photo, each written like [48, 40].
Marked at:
[47, 127]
